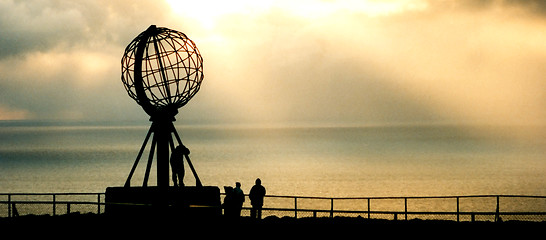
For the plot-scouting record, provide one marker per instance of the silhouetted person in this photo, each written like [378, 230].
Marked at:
[256, 195]
[238, 199]
[177, 165]
[228, 202]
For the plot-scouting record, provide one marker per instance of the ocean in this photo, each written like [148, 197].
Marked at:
[364, 161]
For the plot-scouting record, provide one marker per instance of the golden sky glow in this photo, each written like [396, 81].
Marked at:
[311, 61]
[208, 12]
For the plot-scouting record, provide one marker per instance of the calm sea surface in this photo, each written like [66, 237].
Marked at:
[310, 161]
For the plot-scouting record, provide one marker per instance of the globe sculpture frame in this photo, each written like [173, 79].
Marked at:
[162, 69]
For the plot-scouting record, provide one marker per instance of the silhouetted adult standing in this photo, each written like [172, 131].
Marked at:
[177, 165]
[256, 195]
[239, 198]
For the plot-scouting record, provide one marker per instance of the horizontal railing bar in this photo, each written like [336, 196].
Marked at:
[401, 212]
[51, 202]
[310, 197]
[47, 194]
[409, 197]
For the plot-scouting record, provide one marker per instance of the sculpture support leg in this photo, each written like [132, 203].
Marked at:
[162, 145]
[149, 165]
[128, 182]
[163, 135]
[197, 181]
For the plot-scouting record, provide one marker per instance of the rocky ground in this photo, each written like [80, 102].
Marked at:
[269, 228]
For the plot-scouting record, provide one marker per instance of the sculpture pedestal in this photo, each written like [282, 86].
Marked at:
[202, 202]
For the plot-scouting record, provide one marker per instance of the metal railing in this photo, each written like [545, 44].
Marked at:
[455, 208]
[16, 204]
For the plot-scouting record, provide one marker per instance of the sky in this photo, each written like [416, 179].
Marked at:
[286, 62]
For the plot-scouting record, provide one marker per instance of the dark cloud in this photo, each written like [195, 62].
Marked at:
[44, 50]
[40, 25]
[535, 7]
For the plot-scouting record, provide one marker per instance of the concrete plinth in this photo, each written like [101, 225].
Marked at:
[179, 201]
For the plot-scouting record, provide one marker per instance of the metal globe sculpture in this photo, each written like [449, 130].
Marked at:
[162, 69]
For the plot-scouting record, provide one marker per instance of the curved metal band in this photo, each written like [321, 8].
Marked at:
[138, 80]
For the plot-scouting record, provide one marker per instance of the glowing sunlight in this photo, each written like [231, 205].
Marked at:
[209, 12]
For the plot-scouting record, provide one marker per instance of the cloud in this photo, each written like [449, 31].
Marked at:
[61, 59]
[398, 61]
[525, 7]
[40, 25]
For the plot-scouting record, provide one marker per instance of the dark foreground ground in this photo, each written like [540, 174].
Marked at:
[87, 225]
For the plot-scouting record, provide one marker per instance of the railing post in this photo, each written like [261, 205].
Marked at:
[457, 209]
[9, 205]
[98, 203]
[331, 207]
[295, 207]
[406, 208]
[497, 216]
[368, 208]
[54, 205]
[68, 208]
